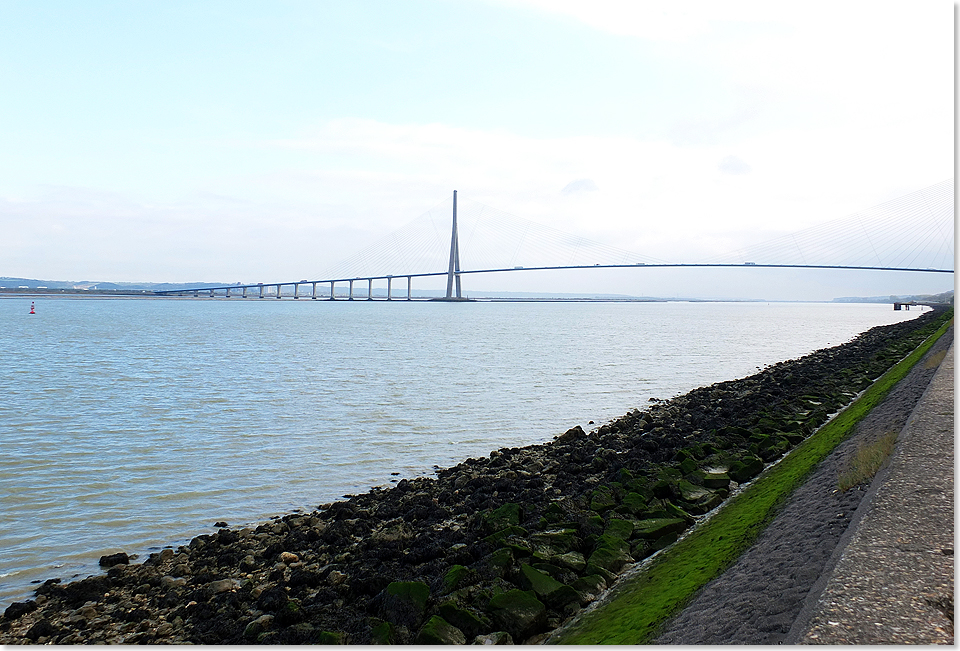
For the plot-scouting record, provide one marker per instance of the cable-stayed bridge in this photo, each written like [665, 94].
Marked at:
[911, 233]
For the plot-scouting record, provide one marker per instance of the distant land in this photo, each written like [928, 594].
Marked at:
[945, 297]
[10, 285]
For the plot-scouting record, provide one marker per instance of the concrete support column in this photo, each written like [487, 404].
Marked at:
[244, 294]
[369, 289]
[261, 291]
[351, 290]
[314, 295]
[196, 294]
[227, 294]
[333, 296]
[389, 283]
[211, 293]
[296, 291]
[278, 291]
[409, 281]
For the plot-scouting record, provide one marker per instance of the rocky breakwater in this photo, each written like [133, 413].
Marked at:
[494, 550]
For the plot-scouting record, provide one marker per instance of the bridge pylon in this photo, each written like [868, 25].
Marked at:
[453, 270]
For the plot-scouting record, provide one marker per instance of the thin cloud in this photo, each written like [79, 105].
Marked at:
[733, 165]
[578, 186]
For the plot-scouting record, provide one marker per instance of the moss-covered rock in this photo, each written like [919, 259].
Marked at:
[632, 503]
[499, 561]
[540, 582]
[603, 499]
[548, 589]
[468, 622]
[331, 637]
[658, 527]
[691, 492]
[709, 502]
[663, 542]
[618, 528]
[716, 480]
[573, 560]
[382, 633]
[456, 577]
[501, 536]
[519, 613]
[745, 468]
[590, 586]
[510, 514]
[405, 602]
[438, 631]
[553, 542]
[611, 554]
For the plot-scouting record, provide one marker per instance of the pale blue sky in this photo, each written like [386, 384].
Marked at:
[255, 141]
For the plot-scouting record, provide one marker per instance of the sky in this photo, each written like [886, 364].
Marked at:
[240, 141]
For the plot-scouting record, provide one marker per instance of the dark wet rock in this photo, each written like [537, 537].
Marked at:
[110, 560]
[43, 628]
[405, 602]
[19, 608]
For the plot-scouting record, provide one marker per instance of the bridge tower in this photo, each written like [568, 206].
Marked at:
[453, 271]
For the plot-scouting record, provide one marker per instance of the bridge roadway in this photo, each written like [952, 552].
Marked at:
[261, 287]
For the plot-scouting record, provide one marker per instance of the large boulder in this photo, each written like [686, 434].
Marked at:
[611, 554]
[438, 631]
[551, 591]
[658, 527]
[745, 468]
[405, 602]
[518, 612]
[716, 480]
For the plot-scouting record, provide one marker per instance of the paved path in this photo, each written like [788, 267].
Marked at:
[893, 583]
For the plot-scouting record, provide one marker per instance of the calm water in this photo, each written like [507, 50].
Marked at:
[134, 424]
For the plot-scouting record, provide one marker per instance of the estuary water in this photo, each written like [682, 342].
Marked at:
[133, 424]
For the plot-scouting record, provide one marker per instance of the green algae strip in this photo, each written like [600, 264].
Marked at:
[648, 599]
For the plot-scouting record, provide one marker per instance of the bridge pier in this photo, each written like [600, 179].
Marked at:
[296, 291]
[314, 295]
[261, 290]
[244, 294]
[389, 282]
[333, 296]
[351, 291]
[369, 289]
[211, 293]
[226, 294]
[409, 281]
[278, 291]
[196, 294]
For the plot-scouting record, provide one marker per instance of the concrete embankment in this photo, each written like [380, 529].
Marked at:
[498, 549]
[894, 581]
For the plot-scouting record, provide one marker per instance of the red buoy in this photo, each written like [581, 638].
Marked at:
[31, 308]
